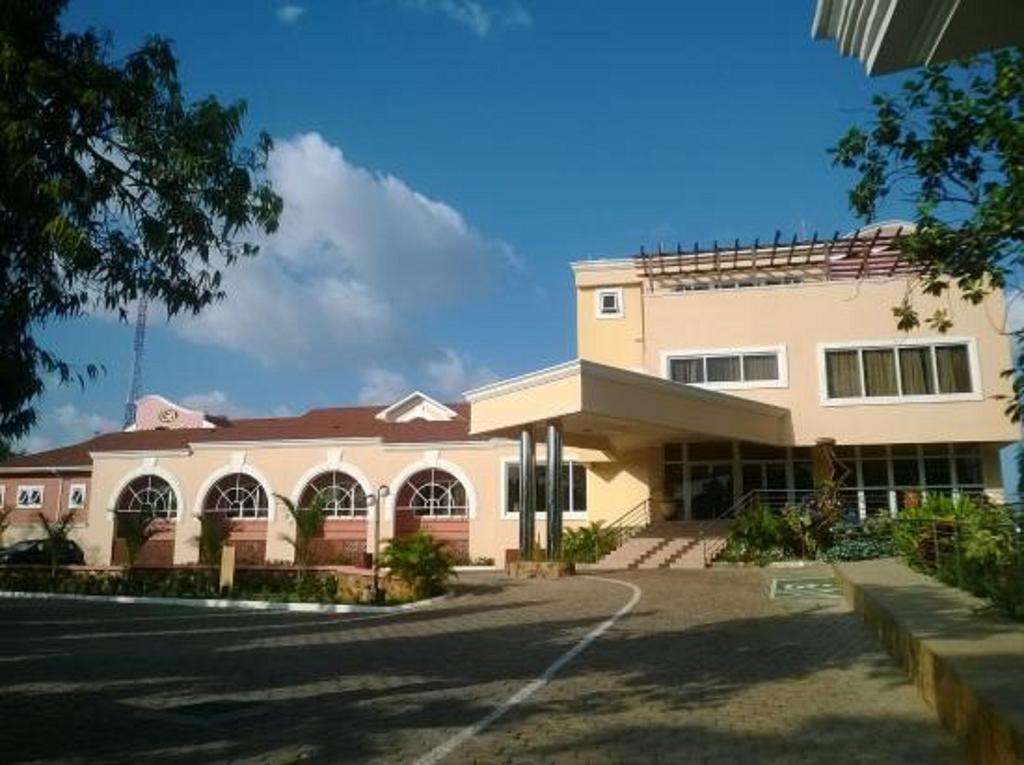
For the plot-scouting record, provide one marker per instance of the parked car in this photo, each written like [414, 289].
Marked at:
[30, 552]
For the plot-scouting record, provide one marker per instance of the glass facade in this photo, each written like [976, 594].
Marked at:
[704, 480]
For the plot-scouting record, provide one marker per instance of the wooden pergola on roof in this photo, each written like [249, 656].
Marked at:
[872, 252]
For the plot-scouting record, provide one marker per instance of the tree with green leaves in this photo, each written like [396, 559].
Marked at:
[309, 524]
[58, 534]
[112, 186]
[950, 143]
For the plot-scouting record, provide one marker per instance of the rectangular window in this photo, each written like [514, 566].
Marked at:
[609, 303]
[725, 369]
[898, 372]
[30, 496]
[76, 496]
[574, 488]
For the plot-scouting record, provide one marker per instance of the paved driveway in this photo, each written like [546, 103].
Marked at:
[704, 669]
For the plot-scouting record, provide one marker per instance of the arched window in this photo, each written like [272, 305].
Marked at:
[433, 492]
[342, 495]
[237, 496]
[148, 494]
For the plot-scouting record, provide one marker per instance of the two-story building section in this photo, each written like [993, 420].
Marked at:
[701, 377]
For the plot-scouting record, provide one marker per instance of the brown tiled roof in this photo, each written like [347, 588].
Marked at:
[335, 422]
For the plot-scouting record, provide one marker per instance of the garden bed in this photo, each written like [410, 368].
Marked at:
[271, 584]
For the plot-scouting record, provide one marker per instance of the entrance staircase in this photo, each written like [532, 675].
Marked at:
[664, 544]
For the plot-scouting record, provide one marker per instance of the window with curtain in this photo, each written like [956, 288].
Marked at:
[916, 371]
[725, 368]
[842, 370]
[953, 368]
[880, 372]
[898, 372]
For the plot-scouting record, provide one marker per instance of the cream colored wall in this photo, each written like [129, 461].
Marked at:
[284, 468]
[801, 317]
[614, 341]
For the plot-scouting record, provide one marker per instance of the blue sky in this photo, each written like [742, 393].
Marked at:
[443, 161]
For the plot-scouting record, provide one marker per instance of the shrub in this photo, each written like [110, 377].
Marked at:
[760, 535]
[421, 562]
[588, 544]
[968, 543]
[872, 539]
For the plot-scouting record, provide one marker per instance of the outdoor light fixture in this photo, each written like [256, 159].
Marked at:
[377, 502]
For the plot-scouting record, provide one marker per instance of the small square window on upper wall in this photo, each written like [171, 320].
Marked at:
[608, 303]
[30, 496]
[76, 496]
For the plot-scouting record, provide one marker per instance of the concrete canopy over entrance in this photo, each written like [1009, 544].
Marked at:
[613, 410]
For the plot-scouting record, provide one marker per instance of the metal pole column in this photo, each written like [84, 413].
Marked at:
[527, 493]
[554, 490]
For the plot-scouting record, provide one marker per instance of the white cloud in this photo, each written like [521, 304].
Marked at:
[65, 424]
[289, 13]
[447, 377]
[217, 402]
[382, 386]
[478, 16]
[453, 374]
[357, 252]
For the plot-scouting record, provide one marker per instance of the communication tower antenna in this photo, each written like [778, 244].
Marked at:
[135, 385]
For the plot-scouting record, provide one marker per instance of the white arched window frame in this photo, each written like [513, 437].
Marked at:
[148, 493]
[156, 472]
[343, 494]
[395, 499]
[433, 493]
[239, 493]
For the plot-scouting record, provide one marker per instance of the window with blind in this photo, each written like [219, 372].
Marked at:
[890, 372]
[739, 368]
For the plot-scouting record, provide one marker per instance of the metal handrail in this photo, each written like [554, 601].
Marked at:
[632, 521]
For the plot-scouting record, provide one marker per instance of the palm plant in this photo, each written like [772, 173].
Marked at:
[136, 529]
[58, 532]
[309, 524]
[421, 561]
[214, 532]
[588, 544]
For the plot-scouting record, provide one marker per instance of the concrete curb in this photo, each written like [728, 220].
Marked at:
[241, 605]
[985, 730]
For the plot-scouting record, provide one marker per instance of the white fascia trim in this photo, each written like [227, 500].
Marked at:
[384, 413]
[529, 380]
[141, 453]
[779, 350]
[599, 264]
[45, 469]
[938, 398]
[491, 443]
[284, 443]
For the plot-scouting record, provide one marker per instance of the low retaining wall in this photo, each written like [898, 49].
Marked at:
[968, 666]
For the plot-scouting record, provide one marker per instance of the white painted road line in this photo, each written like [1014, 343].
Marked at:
[438, 753]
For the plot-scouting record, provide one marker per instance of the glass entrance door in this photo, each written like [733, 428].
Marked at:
[711, 490]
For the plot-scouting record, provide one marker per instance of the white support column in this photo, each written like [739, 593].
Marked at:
[554, 490]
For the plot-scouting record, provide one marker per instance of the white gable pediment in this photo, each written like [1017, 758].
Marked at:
[417, 406]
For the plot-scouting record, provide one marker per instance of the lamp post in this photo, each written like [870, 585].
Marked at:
[377, 502]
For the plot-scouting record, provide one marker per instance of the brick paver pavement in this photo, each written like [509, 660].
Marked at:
[705, 669]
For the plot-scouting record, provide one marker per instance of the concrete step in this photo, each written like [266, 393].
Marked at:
[660, 557]
[630, 553]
